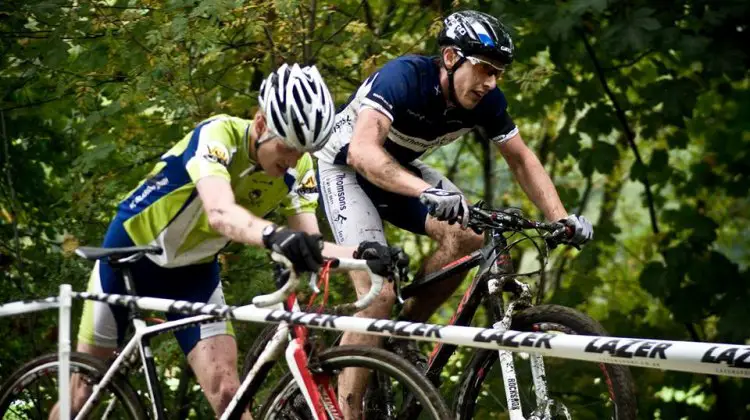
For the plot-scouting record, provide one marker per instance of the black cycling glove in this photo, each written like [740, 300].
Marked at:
[303, 250]
[382, 259]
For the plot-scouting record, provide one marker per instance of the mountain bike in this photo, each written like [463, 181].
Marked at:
[31, 392]
[546, 388]
[551, 388]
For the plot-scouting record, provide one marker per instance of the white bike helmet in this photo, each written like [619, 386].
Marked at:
[298, 107]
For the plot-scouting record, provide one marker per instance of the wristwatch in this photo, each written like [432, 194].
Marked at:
[267, 232]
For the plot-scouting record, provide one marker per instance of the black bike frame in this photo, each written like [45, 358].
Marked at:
[472, 298]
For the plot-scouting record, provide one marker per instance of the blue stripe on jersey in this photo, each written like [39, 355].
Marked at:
[173, 176]
[289, 180]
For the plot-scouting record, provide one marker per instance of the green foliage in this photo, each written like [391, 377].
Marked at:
[92, 93]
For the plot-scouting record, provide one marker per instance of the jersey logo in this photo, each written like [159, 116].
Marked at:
[343, 121]
[308, 188]
[216, 153]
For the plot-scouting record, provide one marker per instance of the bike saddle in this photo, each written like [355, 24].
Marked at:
[93, 253]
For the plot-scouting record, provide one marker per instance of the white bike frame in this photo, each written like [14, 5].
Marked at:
[143, 333]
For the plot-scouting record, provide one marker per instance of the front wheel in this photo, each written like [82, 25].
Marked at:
[286, 401]
[586, 390]
[32, 392]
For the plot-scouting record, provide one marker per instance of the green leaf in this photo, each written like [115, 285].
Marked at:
[562, 27]
[678, 140]
[579, 7]
[649, 24]
[638, 171]
[605, 157]
[652, 279]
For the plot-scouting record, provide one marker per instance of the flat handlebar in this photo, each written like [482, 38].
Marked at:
[511, 220]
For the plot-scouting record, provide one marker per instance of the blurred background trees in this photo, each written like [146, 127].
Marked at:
[640, 110]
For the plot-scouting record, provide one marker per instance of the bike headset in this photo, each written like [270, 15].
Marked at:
[298, 108]
[474, 34]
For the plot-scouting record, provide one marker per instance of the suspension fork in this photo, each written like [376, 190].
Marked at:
[501, 265]
[495, 286]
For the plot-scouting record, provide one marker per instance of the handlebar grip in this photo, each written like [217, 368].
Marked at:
[376, 281]
[343, 264]
[283, 292]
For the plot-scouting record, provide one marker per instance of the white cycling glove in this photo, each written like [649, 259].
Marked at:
[446, 205]
[581, 227]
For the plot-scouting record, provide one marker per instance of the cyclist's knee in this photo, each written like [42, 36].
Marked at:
[382, 305]
[221, 388]
[226, 392]
[453, 239]
[469, 241]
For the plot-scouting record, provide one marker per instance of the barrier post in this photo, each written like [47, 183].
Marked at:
[63, 349]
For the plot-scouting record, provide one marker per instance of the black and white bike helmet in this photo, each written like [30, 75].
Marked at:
[298, 107]
[477, 33]
[478, 37]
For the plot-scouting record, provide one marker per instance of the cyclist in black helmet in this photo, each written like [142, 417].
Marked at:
[369, 170]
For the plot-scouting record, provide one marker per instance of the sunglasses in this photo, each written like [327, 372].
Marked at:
[474, 60]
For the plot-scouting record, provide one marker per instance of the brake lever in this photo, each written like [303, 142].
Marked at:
[397, 287]
[557, 237]
[314, 282]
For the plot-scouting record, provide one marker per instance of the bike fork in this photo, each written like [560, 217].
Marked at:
[540, 385]
[321, 404]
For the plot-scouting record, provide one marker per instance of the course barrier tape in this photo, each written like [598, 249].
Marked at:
[685, 356]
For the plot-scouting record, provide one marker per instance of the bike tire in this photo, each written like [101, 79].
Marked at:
[619, 381]
[45, 368]
[286, 395]
[257, 348]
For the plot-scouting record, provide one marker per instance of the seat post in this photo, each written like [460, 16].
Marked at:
[127, 277]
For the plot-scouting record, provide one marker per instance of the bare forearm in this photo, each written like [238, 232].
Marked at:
[380, 168]
[368, 156]
[331, 250]
[238, 224]
[538, 186]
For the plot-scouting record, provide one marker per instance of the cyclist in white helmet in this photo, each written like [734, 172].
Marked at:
[215, 186]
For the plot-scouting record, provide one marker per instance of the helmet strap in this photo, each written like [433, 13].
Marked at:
[264, 138]
[451, 71]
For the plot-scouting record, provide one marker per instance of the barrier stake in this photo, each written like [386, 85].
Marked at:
[63, 348]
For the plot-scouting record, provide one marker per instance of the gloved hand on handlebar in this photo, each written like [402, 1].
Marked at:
[581, 228]
[446, 205]
[303, 250]
[382, 259]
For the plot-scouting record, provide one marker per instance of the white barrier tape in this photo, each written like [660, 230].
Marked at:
[25, 306]
[686, 356]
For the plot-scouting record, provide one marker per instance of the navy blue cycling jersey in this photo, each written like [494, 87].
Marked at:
[407, 90]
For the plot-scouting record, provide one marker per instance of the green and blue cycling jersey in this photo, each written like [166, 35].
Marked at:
[165, 210]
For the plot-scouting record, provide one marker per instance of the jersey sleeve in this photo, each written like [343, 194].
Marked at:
[210, 150]
[303, 194]
[387, 89]
[499, 126]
